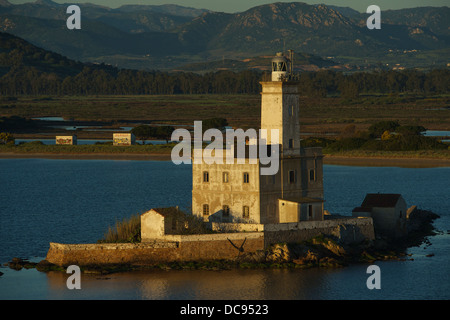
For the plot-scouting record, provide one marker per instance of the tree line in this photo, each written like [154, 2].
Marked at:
[380, 136]
[98, 80]
[29, 70]
[146, 132]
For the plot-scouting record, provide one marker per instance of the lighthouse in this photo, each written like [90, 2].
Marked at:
[280, 105]
[239, 193]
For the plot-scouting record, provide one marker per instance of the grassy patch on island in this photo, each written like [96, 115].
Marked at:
[39, 147]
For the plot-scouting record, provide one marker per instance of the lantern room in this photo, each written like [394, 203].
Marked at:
[281, 67]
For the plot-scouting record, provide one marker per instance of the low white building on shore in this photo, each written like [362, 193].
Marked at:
[123, 139]
[66, 140]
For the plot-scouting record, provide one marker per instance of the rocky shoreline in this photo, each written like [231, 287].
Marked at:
[318, 252]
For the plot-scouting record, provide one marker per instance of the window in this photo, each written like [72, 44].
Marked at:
[291, 111]
[291, 143]
[292, 176]
[246, 177]
[312, 175]
[205, 176]
[225, 177]
[245, 212]
[274, 66]
[310, 211]
[206, 209]
[226, 211]
[279, 66]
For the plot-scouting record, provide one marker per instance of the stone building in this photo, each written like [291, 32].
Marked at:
[238, 192]
[158, 222]
[66, 140]
[388, 211]
[123, 139]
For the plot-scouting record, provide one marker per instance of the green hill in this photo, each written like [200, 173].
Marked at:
[16, 53]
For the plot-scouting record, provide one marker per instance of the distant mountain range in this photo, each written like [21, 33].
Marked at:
[26, 69]
[170, 37]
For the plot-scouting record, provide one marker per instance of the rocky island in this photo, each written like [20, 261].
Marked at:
[321, 251]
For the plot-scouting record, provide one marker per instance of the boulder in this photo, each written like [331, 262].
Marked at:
[310, 258]
[330, 245]
[279, 253]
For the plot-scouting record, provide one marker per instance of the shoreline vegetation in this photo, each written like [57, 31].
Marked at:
[383, 143]
[414, 159]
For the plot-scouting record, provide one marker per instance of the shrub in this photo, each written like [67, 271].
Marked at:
[347, 144]
[144, 132]
[410, 130]
[404, 143]
[377, 129]
[6, 138]
[386, 135]
[127, 230]
[316, 142]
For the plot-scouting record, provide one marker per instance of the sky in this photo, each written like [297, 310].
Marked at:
[232, 6]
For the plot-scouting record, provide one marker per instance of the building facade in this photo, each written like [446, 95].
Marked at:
[388, 211]
[123, 139]
[66, 140]
[238, 192]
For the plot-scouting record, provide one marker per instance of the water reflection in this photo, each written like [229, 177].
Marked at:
[258, 284]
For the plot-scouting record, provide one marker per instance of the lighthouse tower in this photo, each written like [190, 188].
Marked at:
[240, 193]
[296, 193]
[280, 106]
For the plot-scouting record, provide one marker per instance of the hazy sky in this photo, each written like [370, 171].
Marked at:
[242, 5]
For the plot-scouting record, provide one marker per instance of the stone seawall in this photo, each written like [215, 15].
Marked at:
[346, 230]
[221, 246]
[153, 253]
[126, 253]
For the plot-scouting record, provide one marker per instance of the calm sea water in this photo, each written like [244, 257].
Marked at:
[74, 201]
